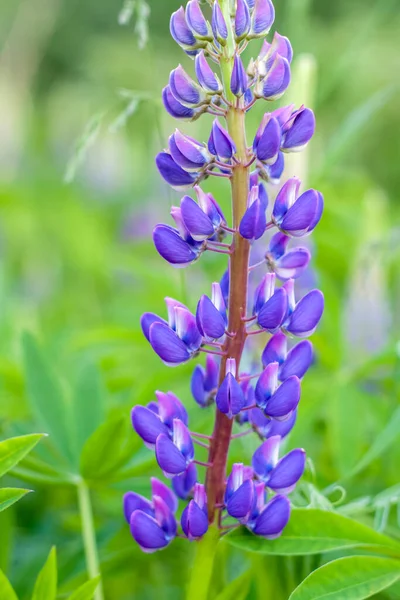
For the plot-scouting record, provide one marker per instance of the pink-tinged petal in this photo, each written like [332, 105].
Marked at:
[195, 19]
[292, 264]
[263, 18]
[147, 321]
[267, 384]
[288, 471]
[167, 345]
[170, 408]
[274, 518]
[164, 517]
[306, 315]
[147, 424]
[175, 108]
[183, 440]
[158, 488]
[242, 20]
[147, 533]
[285, 400]
[180, 30]
[265, 458]
[186, 328]
[286, 198]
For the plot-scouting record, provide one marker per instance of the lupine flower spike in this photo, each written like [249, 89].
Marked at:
[264, 400]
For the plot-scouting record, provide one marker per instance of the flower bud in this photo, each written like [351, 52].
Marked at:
[180, 30]
[230, 398]
[267, 140]
[196, 21]
[204, 382]
[173, 174]
[276, 81]
[262, 18]
[242, 20]
[307, 314]
[254, 221]
[298, 361]
[174, 455]
[194, 519]
[218, 24]
[185, 90]
[273, 173]
[220, 143]
[175, 108]
[286, 264]
[267, 385]
[273, 519]
[297, 215]
[239, 82]
[210, 322]
[205, 75]
[298, 130]
[184, 483]
[272, 314]
[188, 153]
[239, 493]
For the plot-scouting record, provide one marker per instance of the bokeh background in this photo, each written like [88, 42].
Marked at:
[80, 123]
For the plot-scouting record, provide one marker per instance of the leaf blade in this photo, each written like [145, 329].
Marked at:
[46, 582]
[86, 591]
[315, 531]
[13, 450]
[349, 578]
[6, 590]
[9, 496]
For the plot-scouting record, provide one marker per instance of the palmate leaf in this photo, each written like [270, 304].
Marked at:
[85, 591]
[6, 590]
[46, 583]
[314, 531]
[46, 397]
[13, 450]
[350, 578]
[9, 496]
[102, 451]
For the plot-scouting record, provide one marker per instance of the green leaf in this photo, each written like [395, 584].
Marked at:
[6, 591]
[237, 589]
[46, 396]
[9, 496]
[313, 531]
[382, 442]
[46, 583]
[13, 450]
[350, 578]
[86, 591]
[88, 405]
[102, 451]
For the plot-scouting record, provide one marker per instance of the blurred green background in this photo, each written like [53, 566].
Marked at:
[80, 123]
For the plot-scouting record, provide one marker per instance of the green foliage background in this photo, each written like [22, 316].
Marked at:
[77, 269]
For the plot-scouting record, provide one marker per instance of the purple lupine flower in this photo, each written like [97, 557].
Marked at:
[219, 25]
[267, 404]
[239, 492]
[183, 484]
[262, 18]
[281, 475]
[298, 130]
[268, 140]
[202, 220]
[239, 83]
[195, 516]
[294, 214]
[156, 418]
[153, 524]
[295, 362]
[211, 314]
[230, 398]
[242, 20]
[254, 221]
[204, 382]
[220, 143]
[197, 22]
[206, 76]
[175, 455]
[286, 263]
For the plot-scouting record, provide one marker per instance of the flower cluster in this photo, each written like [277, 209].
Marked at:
[264, 402]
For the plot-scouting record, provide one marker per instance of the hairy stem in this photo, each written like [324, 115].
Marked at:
[238, 271]
[89, 536]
